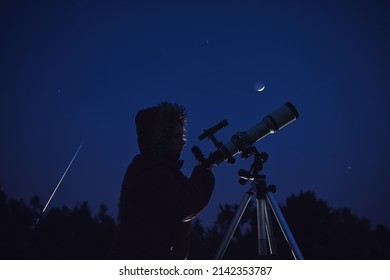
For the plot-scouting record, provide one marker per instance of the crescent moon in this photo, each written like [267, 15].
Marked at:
[261, 89]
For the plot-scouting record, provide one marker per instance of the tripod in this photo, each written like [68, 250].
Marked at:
[264, 202]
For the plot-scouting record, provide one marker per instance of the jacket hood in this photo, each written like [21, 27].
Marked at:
[156, 126]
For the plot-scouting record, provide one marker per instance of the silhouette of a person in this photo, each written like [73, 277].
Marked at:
[157, 201]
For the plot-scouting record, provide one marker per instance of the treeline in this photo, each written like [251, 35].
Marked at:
[62, 233]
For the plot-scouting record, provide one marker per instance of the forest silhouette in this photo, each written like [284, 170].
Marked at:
[321, 232]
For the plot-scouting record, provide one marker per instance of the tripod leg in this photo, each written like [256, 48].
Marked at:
[262, 240]
[233, 225]
[285, 228]
[270, 232]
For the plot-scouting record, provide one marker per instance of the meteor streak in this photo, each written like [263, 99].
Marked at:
[59, 183]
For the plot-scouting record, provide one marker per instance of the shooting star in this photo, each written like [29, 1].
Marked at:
[59, 183]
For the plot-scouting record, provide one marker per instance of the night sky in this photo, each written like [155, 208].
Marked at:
[73, 71]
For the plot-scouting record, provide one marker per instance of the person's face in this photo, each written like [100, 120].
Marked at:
[178, 139]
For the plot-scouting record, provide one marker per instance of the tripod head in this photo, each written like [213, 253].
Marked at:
[257, 165]
[258, 180]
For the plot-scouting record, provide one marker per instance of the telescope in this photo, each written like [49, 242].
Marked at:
[241, 142]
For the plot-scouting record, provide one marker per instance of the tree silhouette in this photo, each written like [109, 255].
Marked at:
[63, 233]
[321, 232]
[327, 233]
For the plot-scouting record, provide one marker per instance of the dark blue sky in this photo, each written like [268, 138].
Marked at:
[71, 71]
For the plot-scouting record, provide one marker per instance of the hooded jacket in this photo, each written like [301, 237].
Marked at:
[157, 201]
